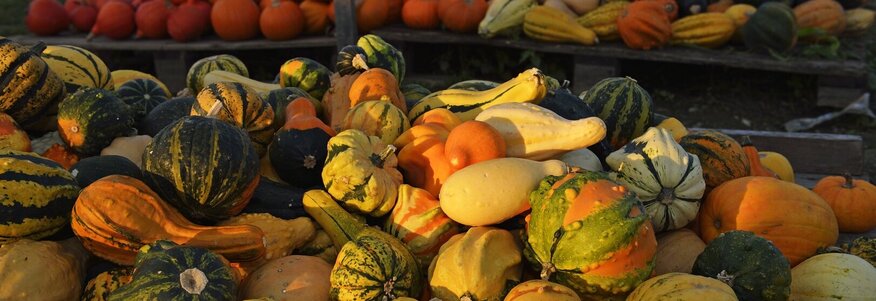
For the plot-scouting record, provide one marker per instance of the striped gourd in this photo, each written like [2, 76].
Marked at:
[223, 62]
[418, 221]
[377, 118]
[122, 76]
[721, 157]
[603, 20]
[307, 74]
[623, 105]
[141, 95]
[240, 106]
[78, 67]
[205, 167]
[91, 118]
[708, 30]
[38, 195]
[380, 54]
[679, 286]
[99, 287]
[27, 84]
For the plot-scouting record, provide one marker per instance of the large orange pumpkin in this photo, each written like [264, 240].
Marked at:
[462, 15]
[316, 16]
[281, 20]
[645, 24]
[853, 202]
[795, 219]
[235, 20]
[421, 14]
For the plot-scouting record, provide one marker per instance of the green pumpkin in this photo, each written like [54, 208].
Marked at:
[751, 265]
[204, 167]
[298, 156]
[589, 234]
[280, 98]
[351, 60]
[91, 118]
[772, 28]
[224, 62]
[37, 196]
[29, 87]
[623, 105]
[167, 271]
[380, 54]
[241, 106]
[375, 266]
[142, 96]
[306, 74]
[413, 93]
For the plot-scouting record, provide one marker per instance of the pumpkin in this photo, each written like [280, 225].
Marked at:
[833, 276]
[336, 102]
[306, 74]
[298, 155]
[128, 147]
[164, 114]
[676, 251]
[289, 278]
[377, 118]
[481, 264]
[853, 202]
[370, 14]
[282, 20]
[624, 105]
[115, 20]
[827, 15]
[223, 62]
[667, 179]
[91, 169]
[377, 84]
[99, 287]
[418, 221]
[380, 54]
[462, 15]
[142, 96]
[315, 13]
[754, 159]
[235, 20]
[151, 20]
[165, 270]
[772, 27]
[762, 205]
[188, 22]
[91, 118]
[778, 164]
[40, 270]
[645, 24]
[671, 8]
[472, 142]
[32, 87]
[749, 264]
[46, 17]
[360, 172]
[537, 290]
[423, 160]
[281, 236]
[571, 210]
[420, 14]
[279, 99]
[721, 157]
[82, 16]
[238, 105]
[116, 215]
[682, 286]
[11, 135]
[182, 164]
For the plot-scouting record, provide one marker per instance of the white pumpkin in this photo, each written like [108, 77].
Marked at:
[667, 179]
[833, 276]
[583, 158]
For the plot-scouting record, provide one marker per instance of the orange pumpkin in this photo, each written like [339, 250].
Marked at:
[394, 13]
[645, 24]
[823, 14]
[753, 156]
[235, 20]
[853, 202]
[336, 101]
[316, 16]
[472, 142]
[301, 115]
[267, 3]
[372, 14]
[795, 219]
[421, 14]
[377, 84]
[441, 116]
[424, 164]
[462, 15]
[282, 20]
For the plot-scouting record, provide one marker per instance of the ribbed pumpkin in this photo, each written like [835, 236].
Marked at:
[721, 157]
[141, 95]
[833, 276]
[853, 202]
[645, 24]
[167, 271]
[623, 105]
[418, 221]
[223, 62]
[572, 211]
[151, 19]
[78, 67]
[281, 20]
[99, 287]
[677, 251]
[795, 219]
[749, 264]
[11, 135]
[315, 16]
[38, 195]
[772, 27]
[203, 166]
[708, 30]
[298, 156]
[235, 20]
[29, 85]
[241, 106]
[679, 286]
[377, 118]
[306, 74]
[827, 15]
[538, 290]
[603, 20]
[483, 263]
[91, 118]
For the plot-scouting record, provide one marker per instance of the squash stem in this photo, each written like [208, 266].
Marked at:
[725, 277]
[546, 270]
[359, 62]
[378, 159]
[388, 287]
[850, 182]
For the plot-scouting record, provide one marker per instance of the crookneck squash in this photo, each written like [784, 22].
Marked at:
[91, 118]
[751, 265]
[238, 105]
[281, 236]
[753, 156]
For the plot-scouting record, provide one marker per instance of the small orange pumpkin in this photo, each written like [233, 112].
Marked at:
[823, 14]
[372, 14]
[62, 155]
[421, 14]
[853, 202]
[645, 24]
[282, 20]
[316, 16]
[235, 20]
[301, 115]
[472, 142]
[462, 15]
[377, 84]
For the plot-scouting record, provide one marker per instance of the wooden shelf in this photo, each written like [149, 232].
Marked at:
[211, 43]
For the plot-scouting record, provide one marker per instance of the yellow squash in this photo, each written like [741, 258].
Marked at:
[603, 20]
[708, 30]
[551, 25]
[858, 20]
[504, 17]
[476, 265]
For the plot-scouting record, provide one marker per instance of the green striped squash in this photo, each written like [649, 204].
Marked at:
[307, 74]
[375, 266]
[28, 87]
[721, 157]
[142, 95]
[100, 287]
[167, 271]
[280, 98]
[377, 118]
[78, 67]
[224, 62]
[38, 196]
[474, 85]
[623, 105]
[241, 106]
[351, 60]
[205, 167]
[380, 54]
[413, 93]
[91, 118]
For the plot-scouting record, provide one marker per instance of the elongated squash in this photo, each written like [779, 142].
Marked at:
[708, 30]
[504, 17]
[218, 76]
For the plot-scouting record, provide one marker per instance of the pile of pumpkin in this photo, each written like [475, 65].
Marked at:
[382, 190]
[181, 20]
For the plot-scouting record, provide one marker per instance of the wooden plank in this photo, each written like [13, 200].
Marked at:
[838, 97]
[211, 43]
[346, 32]
[725, 57]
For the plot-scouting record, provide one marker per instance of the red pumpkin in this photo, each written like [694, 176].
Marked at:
[645, 24]
[421, 14]
[114, 20]
[316, 16]
[235, 20]
[206, 7]
[372, 14]
[282, 20]
[462, 15]
[394, 14]
[83, 16]
[46, 17]
[151, 20]
[187, 22]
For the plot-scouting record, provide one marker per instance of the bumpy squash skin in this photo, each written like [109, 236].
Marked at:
[373, 266]
[91, 118]
[27, 98]
[679, 286]
[721, 157]
[623, 105]
[238, 105]
[752, 266]
[482, 264]
[39, 270]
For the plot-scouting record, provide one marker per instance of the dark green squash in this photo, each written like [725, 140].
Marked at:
[280, 98]
[351, 59]
[772, 28]
[569, 106]
[91, 169]
[380, 54]
[623, 105]
[277, 199]
[413, 93]
[91, 118]
[307, 74]
[238, 105]
[164, 114]
[167, 271]
[751, 265]
[28, 85]
[299, 155]
[37, 196]
[204, 167]
[142, 95]
[223, 62]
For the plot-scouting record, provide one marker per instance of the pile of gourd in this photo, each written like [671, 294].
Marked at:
[357, 185]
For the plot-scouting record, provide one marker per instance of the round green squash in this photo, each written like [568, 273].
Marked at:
[241, 106]
[167, 271]
[351, 59]
[280, 98]
[307, 74]
[298, 156]
[28, 86]
[375, 266]
[204, 167]
[91, 118]
[623, 105]
[142, 96]
[413, 93]
[751, 265]
[380, 54]
[772, 28]
[91, 169]
[224, 62]
[164, 114]
[38, 196]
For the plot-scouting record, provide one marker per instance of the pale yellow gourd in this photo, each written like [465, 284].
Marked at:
[493, 191]
[41, 270]
[217, 76]
[540, 290]
[536, 133]
[833, 276]
[679, 286]
[476, 265]
[583, 158]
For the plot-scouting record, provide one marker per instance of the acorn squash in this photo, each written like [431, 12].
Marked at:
[772, 28]
[751, 265]
[141, 96]
[307, 75]
[91, 118]
[164, 114]
[91, 169]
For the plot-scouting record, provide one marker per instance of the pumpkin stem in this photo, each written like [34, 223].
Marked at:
[632, 79]
[359, 62]
[193, 281]
[388, 287]
[465, 297]
[547, 269]
[850, 182]
[745, 141]
[378, 159]
[725, 277]
[565, 84]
